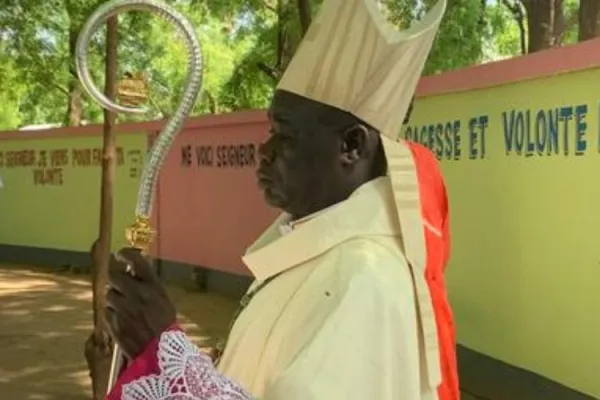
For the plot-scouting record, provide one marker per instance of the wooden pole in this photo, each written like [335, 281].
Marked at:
[99, 346]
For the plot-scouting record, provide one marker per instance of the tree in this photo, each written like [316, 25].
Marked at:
[305, 13]
[40, 38]
[519, 15]
[278, 27]
[10, 115]
[544, 24]
[589, 19]
[463, 28]
[247, 45]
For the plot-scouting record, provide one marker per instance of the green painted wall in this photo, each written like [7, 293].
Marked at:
[55, 203]
[524, 275]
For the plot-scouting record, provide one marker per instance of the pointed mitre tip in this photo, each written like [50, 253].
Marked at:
[370, 70]
[438, 10]
[434, 17]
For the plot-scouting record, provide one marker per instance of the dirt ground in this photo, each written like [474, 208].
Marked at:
[45, 318]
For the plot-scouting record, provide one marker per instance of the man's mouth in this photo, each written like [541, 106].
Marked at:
[264, 179]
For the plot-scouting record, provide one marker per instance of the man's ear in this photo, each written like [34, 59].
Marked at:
[355, 143]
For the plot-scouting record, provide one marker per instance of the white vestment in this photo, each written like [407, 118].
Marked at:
[340, 321]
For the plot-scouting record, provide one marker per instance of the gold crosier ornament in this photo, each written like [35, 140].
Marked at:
[133, 91]
[140, 234]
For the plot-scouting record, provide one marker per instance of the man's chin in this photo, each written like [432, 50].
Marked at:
[274, 199]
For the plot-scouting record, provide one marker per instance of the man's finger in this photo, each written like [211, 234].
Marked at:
[116, 300]
[115, 328]
[142, 267]
[118, 330]
[118, 285]
[118, 276]
[117, 264]
[110, 316]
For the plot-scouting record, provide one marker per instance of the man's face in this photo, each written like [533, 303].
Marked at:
[299, 164]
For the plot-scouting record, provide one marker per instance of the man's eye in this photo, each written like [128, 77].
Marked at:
[282, 137]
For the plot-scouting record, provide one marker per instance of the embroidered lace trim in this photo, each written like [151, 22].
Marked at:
[185, 374]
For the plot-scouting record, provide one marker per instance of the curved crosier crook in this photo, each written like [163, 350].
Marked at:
[140, 234]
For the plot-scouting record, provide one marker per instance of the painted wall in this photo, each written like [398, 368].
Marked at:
[521, 161]
[51, 187]
[210, 207]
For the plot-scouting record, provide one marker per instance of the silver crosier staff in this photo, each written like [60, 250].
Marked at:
[140, 233]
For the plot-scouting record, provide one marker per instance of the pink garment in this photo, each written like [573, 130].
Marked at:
[172, 368]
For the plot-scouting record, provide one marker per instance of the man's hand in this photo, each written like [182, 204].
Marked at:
[138, 308]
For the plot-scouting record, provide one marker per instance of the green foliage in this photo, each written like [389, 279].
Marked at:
[502, 36]
[246, 46]
[459, 41]
[571, 8]
[10, 115]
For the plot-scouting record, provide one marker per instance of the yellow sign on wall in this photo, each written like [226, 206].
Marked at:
[51, 190]
[522, 166]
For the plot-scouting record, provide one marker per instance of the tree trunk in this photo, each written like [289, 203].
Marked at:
[545, 23]
[75, 101]
[560, 26]
[98, 347]
[213, 107]
[305, 12]
[286, 41]
[518, 12]
[589, 19]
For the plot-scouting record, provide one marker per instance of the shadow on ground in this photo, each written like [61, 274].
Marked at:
[45, 319]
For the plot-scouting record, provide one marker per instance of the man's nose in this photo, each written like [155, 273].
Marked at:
[266, 151]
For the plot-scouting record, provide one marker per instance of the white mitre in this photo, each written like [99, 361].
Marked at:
[351, 58]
